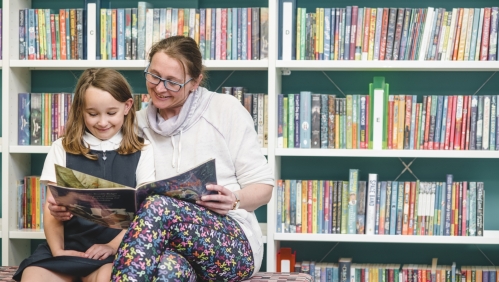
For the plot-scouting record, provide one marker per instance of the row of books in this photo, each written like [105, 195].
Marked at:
[310, 120]
[257, 106]
[380, 207]
[44, 35]
[128, 33]
[42, 116]
[221, 33]
[454, 122]
[345, 270]
[354, 33]
[438, 122]
[31, 196]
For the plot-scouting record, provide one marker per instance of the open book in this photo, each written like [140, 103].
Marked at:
[114, 205]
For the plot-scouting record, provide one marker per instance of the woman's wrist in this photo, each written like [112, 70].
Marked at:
[237, 201]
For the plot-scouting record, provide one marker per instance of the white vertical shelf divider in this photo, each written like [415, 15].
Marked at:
[14, 166]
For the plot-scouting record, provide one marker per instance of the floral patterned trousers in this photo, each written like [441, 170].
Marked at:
[173, 240]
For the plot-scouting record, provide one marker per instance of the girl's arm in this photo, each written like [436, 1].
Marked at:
[54, 232]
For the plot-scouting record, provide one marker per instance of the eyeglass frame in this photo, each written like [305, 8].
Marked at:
[165, 80]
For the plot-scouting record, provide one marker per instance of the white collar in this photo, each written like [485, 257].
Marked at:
[94, 143]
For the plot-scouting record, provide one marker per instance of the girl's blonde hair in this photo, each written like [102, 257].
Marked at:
[115, 84]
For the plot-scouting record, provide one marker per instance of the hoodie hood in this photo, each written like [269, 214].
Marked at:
[191, 111]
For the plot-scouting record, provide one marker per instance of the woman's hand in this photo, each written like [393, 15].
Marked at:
[99, 251]
[221, 203]
[58, 212]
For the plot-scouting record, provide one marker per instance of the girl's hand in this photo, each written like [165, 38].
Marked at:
[221, 203]
[99, 251]
[58, 212]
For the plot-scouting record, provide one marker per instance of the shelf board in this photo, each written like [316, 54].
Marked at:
[45, 149]
[387, 153]
[263, 227]
[39, 234]
[490, 237]
[131, 64]
[311, 65]
[1, 64]
[29, 149]
[26, 234]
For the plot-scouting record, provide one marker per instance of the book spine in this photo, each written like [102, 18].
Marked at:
[472, 209]
[371, 204]
[305, 115]
[120, 19]
[493, 123]
[480, 202]
[393, 207]
[494, 24]
[324, 121]
[316, 121]
[79, 34]
[352, 202]
[24, 119]
[280, 200]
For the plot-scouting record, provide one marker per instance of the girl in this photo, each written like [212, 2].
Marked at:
[100, 140]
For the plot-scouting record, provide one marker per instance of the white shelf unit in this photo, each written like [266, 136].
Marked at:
[279, 68]
[308, 65]
[129, 65]
[38, 234]
[386, 153]
[16, 160]
[489, 237]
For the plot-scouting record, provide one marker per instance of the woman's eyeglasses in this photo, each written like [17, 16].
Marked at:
[169, 84]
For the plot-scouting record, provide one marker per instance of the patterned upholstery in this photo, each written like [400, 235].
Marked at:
[6, 273]
[278, 277]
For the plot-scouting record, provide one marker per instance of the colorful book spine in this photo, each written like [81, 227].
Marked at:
[305, 119]
[353, 183]
[24, 109]
[371, 204]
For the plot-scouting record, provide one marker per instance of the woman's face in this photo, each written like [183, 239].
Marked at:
[167, 101]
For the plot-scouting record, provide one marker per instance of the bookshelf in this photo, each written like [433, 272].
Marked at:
[17, 77]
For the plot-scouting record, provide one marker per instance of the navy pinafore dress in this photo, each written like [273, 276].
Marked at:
[80, 234]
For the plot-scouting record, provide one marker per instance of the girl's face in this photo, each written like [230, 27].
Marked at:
[104, 115]
[169, 102]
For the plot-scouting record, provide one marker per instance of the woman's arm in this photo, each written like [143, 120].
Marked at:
[254, 196]
[250, 197]
[54, 232]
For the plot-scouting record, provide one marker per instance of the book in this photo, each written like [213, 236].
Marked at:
[287, 23]
[114, 205]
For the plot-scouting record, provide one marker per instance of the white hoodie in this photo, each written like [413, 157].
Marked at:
[211, 125]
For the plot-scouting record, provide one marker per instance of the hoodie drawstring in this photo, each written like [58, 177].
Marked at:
[179, 151]
[173, 144]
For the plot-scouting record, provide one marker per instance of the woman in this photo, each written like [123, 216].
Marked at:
[219, 238]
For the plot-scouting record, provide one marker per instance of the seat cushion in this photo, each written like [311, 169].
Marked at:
[276, 276]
